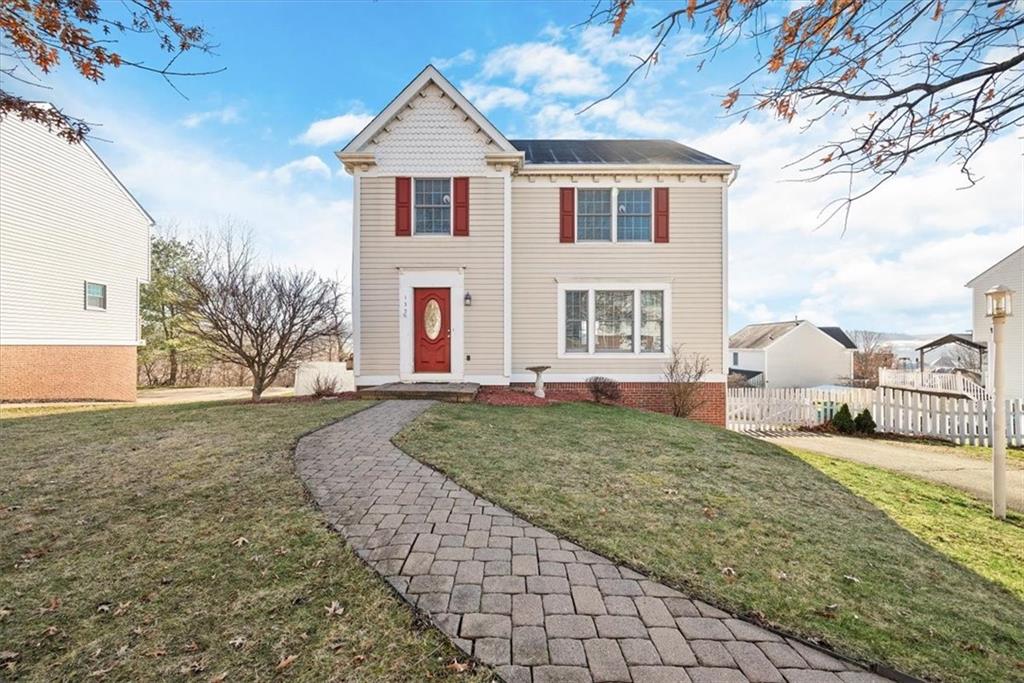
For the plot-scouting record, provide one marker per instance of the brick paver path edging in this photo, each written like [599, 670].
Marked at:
[537, 608]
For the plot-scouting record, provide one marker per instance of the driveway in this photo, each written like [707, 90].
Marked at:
[937, 464]
[163, 396]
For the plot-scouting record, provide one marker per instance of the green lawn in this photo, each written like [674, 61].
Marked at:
[164, 543]
[879, 566]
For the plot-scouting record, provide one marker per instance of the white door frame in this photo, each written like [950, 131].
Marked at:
[407, 282]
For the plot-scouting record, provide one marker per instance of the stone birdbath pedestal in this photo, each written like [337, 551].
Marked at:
[538, 386]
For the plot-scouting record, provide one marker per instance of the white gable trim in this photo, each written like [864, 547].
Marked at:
[429, 75]
[995, 265]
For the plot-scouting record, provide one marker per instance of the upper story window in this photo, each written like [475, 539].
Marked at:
[594, 215]
[95, 296]
[634, 217]
[614, 214]
[432, 206]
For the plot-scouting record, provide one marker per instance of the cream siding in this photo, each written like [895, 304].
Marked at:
[382, 254]
[691, 263]
[65, 220]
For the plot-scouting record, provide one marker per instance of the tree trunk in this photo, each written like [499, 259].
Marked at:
[259, 383]
[172, 359]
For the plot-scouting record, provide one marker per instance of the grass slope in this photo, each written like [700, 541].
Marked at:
[918, 576]
[121, 555]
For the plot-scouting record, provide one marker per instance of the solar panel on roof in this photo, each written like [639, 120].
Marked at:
[612, 152]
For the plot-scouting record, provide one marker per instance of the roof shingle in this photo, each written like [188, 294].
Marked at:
[667, 152]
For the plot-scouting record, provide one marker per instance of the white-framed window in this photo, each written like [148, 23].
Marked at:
[613, 214]
[95, 296]
[432, 206]
[613, 319]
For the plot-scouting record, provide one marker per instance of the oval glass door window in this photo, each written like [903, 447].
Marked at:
[432, 319]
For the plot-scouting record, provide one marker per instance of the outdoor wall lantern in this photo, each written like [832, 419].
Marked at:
[999, 302]
[468, 299]
[999, 307]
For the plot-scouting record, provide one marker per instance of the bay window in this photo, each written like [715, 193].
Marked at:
[613, 318]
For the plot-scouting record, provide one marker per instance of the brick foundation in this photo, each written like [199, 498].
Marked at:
[67, 373]
[652, 396]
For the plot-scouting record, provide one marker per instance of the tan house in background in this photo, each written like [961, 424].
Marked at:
[74, 248]
[476, 257]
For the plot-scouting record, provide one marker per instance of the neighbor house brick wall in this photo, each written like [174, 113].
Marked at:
[653, 396]
[54, 373]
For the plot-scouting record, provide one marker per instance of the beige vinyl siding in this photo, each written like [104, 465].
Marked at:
[65, 221]
[691, 263]
[381, 254]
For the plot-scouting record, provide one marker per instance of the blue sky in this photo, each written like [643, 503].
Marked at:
[254, 145]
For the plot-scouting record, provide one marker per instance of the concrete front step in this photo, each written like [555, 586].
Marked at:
[453, 392]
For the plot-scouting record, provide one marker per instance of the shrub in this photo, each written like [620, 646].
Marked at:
[683, 373]
[324, 386]
[842, 421]
[604, 389]
[864, 423]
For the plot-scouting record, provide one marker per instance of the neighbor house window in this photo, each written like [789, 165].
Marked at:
[652, 320]
[433, 206]
[577, 316]
[594, 215]
[735, 359]
[614, 320]
[95, 296]
[634, 217]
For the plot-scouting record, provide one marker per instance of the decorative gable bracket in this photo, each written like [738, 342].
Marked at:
[357, 161]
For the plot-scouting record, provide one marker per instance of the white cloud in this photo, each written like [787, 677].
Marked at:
[552, 69]
[335, 129]
[463, 58]
[224, 116]
[311, 164]
[488, 97]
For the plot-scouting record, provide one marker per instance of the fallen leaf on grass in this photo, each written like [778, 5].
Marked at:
[220, 678]
[830, 611]
[8, 656]
[458, 667]
[851, 578]
[237, 642]
[4, 612]
[286, 662]
[53, 606]
[710, 512]
[105, 607]
[240, 541]
[729, 573]
[781, 576]
[122, 607]
[196, 666]
[334, 609]
[51, 631]
[192, 646]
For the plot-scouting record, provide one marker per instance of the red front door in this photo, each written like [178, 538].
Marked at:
[432, 331]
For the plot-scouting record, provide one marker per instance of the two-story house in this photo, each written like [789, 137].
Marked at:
[476, 257]
[74, 248]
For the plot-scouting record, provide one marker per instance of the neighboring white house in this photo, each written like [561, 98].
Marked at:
[476, 257]
[795, 353]
[74, 248]
[1010, 272]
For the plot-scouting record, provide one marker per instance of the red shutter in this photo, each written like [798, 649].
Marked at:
[461, 227]
[567, 215]
[403, 208]
[661, 214]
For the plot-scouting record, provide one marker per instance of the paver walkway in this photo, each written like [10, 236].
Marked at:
[533, 606]
[973, 475]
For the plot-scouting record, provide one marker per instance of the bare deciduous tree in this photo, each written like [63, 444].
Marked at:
[684, 372]
[258, 317]
[872, 353]
[912, 76]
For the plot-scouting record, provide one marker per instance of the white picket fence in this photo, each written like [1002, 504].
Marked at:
[950, 418]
